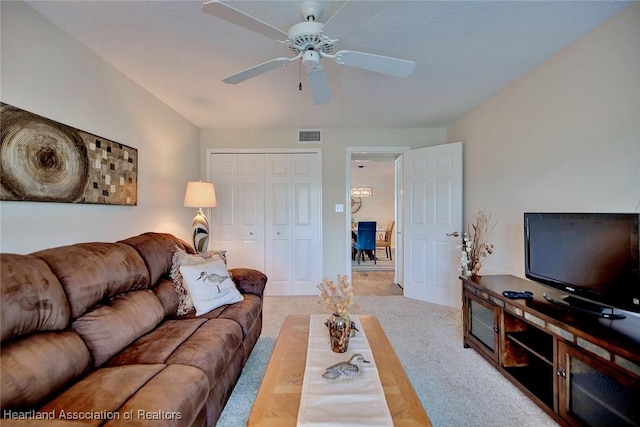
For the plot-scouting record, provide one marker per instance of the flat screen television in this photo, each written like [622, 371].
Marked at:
[592, 257]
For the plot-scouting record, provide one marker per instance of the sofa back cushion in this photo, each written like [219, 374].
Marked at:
[156, 249]
[38, 356]
[34, 367]
[165, 291]
[31, 298]
[110, 327]
[92, 272]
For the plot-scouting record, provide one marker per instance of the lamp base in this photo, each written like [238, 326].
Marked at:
[200, 227]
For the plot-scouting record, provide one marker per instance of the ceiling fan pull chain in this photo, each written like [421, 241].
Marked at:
[300, 76]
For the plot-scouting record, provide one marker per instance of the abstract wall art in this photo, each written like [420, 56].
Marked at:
[46, 161]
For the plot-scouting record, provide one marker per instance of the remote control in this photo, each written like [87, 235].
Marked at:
[518, 294]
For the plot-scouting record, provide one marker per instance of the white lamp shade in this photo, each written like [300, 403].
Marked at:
[200, 194]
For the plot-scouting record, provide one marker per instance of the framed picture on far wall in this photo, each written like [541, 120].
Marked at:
[46, 161]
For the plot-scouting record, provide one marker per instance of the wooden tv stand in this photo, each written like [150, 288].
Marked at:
[580, 369]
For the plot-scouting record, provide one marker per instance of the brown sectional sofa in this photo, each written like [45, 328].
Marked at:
[90, 337]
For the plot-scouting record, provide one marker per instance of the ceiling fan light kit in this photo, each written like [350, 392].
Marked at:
[310, 59]
[307, 42]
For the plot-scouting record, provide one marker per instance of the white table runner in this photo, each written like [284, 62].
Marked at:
[358, 402]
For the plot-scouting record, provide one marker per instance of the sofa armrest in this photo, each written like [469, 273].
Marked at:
[249, 281]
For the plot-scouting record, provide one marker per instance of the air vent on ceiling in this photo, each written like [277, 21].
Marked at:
[306, 136]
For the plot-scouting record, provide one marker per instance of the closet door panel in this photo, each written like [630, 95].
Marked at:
[223, 233]
[238, 221]
[279, 204]
[268, 217]
[302, 206]
[279, 267]
[250, 211]
[307, 268]
[226, 211]
[278, 223]
[303, 264]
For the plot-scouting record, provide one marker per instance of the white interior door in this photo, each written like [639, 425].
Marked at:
[250, 212]
[269, 215]
[278, 223]
[238, 221]
[305, 224]
[292, 224]
[432, 209]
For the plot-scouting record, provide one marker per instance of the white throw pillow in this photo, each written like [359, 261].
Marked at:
[209, 285]
[181, 257]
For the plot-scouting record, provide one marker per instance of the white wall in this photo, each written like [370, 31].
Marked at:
[566, 137]
[46, 72]
[334, 170]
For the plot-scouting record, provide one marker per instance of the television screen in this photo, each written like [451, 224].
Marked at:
[591, 255]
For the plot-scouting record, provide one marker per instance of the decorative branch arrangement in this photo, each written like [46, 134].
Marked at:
[476, 244]
[337, 297]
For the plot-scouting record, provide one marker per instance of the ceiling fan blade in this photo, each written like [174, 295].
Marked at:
[380, 64]
[350, 15]
[235, 16]
[319, 85]
[257, 70]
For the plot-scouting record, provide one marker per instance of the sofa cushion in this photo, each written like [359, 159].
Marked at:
[205, 344]
[245, 313]
[178, 392]
[111, 327]
[180, 258]
[210, 348]
[174, 397]
[156, 249]
[91, 272]
[31, 298]
[249, 281]
[209, 285]
[39, 365]
[166, 293]
[159, 344]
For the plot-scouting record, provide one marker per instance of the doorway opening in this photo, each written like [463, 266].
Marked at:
[378, 168]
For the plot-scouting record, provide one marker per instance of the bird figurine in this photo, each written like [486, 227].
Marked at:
[354, 329]
[345, 371]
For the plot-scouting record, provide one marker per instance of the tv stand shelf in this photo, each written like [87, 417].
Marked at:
[523, 339]
[580, 369]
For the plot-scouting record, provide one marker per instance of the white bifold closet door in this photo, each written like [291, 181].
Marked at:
[268, 217]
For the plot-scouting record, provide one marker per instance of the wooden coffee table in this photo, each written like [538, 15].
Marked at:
[278, 398]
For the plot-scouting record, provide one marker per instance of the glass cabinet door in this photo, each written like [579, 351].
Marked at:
[593, 394]
[483, 326]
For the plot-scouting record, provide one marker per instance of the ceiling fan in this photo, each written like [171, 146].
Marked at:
[309, 41]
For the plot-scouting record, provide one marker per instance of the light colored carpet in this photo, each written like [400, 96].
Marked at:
[456, 386]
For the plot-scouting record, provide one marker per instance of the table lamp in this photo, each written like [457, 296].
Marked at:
[200, 195]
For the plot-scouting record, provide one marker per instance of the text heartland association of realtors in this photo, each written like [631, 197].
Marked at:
[132, 414]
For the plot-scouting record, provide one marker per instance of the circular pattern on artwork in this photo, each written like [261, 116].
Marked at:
[41, 160]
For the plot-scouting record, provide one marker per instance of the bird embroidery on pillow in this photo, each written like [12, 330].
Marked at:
[212, 279]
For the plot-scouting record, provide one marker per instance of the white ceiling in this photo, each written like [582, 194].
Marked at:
[465, 51]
